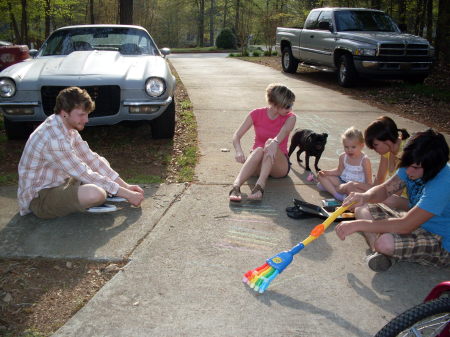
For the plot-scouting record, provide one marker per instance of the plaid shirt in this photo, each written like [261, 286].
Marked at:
[53, 154]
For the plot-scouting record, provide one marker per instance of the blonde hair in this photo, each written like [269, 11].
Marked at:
[279, 95]
[353, 133]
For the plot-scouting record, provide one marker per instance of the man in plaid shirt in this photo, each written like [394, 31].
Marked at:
[58, 173]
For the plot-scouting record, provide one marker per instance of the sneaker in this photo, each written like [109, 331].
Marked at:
[105, 208]
[378, 262]
[114, 198]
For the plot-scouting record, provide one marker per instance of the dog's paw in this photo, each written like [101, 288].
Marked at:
[307, 169]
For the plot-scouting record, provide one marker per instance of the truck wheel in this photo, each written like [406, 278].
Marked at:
[17, 130]
[346, 71]
[288, 62]
[415, 80]
[164, 125]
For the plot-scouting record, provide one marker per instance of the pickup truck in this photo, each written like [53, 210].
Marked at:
[355, 42]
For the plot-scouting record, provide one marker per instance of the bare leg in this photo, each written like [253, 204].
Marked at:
[330, 183]
[91, 195]
[250, 166]
[364, 213]
[277, 169]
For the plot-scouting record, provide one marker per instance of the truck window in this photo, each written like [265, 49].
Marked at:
[325, 16]
[311, 20]
[364, 21]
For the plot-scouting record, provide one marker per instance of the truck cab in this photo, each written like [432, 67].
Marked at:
[355, 42]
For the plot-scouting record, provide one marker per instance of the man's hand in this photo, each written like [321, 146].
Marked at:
[134, 197]
[357, 199]
[136, 188]
[345, 228]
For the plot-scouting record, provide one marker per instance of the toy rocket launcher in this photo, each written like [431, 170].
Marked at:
[260, 278]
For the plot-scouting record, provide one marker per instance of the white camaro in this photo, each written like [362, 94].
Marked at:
[120, 66]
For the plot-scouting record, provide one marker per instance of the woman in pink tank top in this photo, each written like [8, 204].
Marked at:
[268, 156]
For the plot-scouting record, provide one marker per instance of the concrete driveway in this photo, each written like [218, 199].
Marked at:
[184, 278]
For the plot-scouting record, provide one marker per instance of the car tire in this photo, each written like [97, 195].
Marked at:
[288, 62]
[164, 125]
[415, 80]
[17, 130]
[346, 71]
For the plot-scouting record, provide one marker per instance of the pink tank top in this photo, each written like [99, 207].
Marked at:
[266, 128]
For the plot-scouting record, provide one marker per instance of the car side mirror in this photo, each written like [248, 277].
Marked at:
[403, 28]
[165, 51]
[33, 52]
[324, 25]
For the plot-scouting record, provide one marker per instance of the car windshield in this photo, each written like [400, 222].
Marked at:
[128, 41]
[364, 21]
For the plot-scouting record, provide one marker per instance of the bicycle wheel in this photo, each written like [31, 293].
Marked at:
[426, 319]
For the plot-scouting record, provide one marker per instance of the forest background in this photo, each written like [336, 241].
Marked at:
[197, 23]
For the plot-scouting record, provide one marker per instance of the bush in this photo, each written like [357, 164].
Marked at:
[226, 39]
[256, 53]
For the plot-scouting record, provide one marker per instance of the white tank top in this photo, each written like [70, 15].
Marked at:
[353, 172]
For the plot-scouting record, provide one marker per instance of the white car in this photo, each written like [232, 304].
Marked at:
[120, 66]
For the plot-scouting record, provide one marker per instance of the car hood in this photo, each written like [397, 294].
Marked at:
[92, 67]
[382, 37]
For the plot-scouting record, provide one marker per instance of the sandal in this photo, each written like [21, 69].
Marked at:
[256, 189]
[235, 194]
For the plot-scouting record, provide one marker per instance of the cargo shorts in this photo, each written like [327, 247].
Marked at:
[57, 201]
[420, 246]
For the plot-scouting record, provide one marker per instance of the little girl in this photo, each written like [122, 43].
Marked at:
[354, 165]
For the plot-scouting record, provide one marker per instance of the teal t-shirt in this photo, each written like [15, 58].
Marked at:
[433, 197]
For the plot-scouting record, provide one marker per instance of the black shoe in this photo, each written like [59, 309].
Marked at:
[378, 262]
[295, 213]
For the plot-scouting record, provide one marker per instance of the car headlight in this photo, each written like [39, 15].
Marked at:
[7, 88]
[366, 51]
[155, 86]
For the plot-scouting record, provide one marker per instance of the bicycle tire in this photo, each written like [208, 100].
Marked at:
[417, 316]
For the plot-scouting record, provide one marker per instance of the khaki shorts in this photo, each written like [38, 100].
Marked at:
[57, 201]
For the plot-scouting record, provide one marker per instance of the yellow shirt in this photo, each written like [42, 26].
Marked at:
[397, 160]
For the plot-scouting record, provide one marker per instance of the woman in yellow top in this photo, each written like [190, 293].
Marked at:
[382, 136]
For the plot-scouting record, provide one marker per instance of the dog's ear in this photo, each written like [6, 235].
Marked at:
[325, 135]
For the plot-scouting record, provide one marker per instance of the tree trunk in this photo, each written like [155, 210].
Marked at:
[236, 17]
[17, 37]
[225, 12]
[91, 11]
[375, 4]
[443, 33]
[47, 17]
[201, 23]
[126, 12]
[212, 13]
[24, 24]
[401, 11]
[430, 20]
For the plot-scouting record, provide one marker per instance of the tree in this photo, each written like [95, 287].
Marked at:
[443, 33]
[126, 12]
[200, 23]
[24, 24]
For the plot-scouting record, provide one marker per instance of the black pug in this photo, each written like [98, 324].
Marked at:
[312, 143]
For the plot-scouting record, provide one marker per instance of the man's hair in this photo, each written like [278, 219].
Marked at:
[72, 98]
[428, 149]
[382, 129]
[279, 95]
[353, 133]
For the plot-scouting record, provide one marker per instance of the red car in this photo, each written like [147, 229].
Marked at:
[12, 53]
